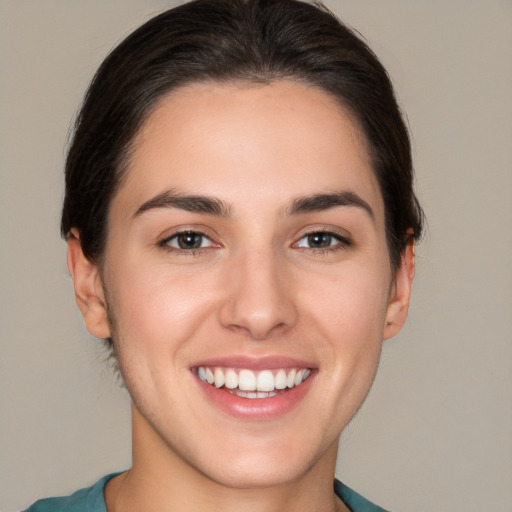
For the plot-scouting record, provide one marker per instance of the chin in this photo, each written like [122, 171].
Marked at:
[265, 465]
[258, 473]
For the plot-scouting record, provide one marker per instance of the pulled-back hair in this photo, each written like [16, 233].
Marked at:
[223, 41]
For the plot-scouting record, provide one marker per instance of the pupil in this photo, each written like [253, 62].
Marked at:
[189, 241]
[319, 240]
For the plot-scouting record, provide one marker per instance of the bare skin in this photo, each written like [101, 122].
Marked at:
[119, 496]
[288, 259]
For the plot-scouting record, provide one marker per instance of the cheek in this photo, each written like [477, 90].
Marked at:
[156, 317]
[348, 311]
[156, 309]
[353, 300]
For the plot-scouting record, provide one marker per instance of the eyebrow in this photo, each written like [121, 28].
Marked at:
[319, 202]
[190, 203]
[214, 206]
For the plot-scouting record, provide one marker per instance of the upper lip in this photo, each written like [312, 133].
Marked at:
[255, 362]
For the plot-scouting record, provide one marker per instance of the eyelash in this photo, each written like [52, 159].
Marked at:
[342, 242]
[192, 251]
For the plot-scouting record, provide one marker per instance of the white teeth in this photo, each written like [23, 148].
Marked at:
[280, 380]
[247, 380]
[231, 379]
[219, 378]
[290, 380]
[248, 384]
[209, 376]
[253, 394]
[265, 381]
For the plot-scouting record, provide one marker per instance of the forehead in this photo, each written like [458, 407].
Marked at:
[242, 141]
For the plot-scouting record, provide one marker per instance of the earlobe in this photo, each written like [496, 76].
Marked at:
[89, 293]
[398, 306]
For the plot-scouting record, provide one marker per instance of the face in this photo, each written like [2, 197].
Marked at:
[248, 281]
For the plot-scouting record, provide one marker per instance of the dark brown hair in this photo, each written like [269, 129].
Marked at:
[233, 40]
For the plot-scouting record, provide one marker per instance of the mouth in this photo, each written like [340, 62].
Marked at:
[246, 383]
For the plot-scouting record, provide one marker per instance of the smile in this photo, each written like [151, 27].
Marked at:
[246, 383]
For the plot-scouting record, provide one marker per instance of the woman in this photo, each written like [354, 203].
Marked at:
[241, 224]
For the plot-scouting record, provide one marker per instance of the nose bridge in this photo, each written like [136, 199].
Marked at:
[259, 296]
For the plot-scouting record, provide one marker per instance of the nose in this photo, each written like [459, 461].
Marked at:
[259, 299]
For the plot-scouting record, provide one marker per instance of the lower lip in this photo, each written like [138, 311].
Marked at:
[254, 409]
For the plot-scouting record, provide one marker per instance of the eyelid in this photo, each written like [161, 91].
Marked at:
[176, 237]
[163, 240]
[343, 238]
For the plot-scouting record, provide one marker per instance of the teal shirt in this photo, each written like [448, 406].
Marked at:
[91, 500]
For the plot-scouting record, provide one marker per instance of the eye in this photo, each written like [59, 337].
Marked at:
[187, 241]
[322, 240]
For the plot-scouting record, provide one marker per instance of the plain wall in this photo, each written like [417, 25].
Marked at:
[436, 431]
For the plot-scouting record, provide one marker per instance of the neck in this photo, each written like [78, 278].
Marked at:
[161, 480]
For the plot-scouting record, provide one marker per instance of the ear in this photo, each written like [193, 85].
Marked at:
[400, 295]
[89, 292]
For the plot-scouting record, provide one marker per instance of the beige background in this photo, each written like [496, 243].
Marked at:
[436, 431]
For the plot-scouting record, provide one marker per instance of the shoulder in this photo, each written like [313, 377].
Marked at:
[89, 499]
[354, 501]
